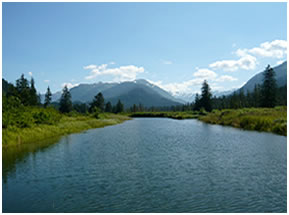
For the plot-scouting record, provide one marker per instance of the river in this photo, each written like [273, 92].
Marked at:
[149, 165]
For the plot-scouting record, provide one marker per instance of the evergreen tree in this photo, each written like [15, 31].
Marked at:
[23, 90]
[98, 102]
[80, 107]
[269, 88]
[134, 108]
[197, 105]
[33, 100]
[108, 107]
[119, 107]
[39, 99]
[206, 96]
[257, 95]
[48, 95]
[65, 101]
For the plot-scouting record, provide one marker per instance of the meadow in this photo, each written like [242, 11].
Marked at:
[259, 119]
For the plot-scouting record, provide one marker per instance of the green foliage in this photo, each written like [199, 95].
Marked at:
[80, 108]
[23, 90]
[33, 97]
[197, 105]
[96, 111]
[17, 115]
[206, 96]
[119, 107]
[173, 115]
[269, 87]
[108, 107]
[67, 124]
[98, 102]
[259, 119]
[48, 95]
[65, 101]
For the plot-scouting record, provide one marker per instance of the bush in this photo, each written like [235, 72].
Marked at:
[95, 112]
[24, 117]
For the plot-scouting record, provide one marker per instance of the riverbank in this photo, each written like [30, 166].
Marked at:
[259, 119]
[272, 120]
[66, 125]
[172, 115]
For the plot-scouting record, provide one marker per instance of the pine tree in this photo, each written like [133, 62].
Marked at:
[269, 88]
[23, 90]
[197, 102]
[206, 96]
[33, 100]
[65, 101]
[108, 107]
[119, 107]
[98, 102]
[48, 95]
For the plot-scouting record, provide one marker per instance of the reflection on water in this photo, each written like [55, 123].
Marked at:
[149, 165]
[21, 153]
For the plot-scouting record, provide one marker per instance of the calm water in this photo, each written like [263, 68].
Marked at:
[149, 165]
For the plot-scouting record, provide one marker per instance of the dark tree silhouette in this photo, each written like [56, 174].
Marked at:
[65, 101]
[48, 95]
[98, 102]
[206, 97]
[108, 107]
[33, 98]
[197, 104]
[119, 107]
[23, 90]
[269, 88]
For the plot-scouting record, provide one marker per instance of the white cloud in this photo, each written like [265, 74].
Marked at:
[224, 78]
[181, 87]
[46, 81]
[246, 62]
[69, 85]
[122, 73]
[30, 73]
[167, 62]
[90, 67]
[273, 49]
[205, 74]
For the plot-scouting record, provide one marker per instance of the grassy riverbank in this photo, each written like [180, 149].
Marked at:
[172, 115]
[260, 119]
[66, 125]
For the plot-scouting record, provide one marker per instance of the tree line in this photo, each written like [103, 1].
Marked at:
[266, 94]
[24, 93]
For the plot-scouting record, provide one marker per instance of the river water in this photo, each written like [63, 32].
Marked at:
[149, 165]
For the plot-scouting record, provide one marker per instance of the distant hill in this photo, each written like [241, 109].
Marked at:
[129, 92]
[281, 78]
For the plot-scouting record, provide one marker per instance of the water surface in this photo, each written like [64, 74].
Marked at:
[149, 165]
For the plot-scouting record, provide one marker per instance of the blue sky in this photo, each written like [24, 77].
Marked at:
[174, 45]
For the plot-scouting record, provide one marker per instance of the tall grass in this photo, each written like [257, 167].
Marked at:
[66, 125]
[259, 119]
[173, 115]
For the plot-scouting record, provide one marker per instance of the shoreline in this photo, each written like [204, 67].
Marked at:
[67, 125]
[273, 120]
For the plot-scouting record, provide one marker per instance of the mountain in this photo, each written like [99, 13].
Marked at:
[129, 92]
[281, 78]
